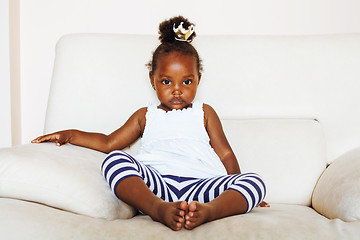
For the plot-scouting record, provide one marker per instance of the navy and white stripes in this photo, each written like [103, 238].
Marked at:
[119, 165]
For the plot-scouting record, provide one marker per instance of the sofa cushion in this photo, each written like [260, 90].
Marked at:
[66, 177]
[25, 220]
[337, 194]
[288, 153]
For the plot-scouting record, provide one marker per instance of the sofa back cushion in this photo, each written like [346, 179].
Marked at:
[288, 153]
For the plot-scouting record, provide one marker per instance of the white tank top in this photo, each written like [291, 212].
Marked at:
[176, 143]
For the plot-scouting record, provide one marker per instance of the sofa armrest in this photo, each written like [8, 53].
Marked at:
[337, 193]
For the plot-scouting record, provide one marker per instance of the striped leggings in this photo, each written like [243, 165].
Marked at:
[119, 165]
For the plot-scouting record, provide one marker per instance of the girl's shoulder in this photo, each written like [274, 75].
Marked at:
[141, 112]
[139, 116]
[209, 114]
[208, 110]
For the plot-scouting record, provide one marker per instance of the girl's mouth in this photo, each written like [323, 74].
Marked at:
[177, 101]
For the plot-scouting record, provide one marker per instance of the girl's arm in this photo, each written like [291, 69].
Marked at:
[119, 139]
[219, 142]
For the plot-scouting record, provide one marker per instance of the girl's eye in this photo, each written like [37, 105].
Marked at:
[165, 82]
[187, 82]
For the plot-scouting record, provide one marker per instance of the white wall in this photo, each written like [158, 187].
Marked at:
[5, 117]
[43, 22]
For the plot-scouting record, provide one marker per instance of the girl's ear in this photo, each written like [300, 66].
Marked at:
[151, 76]
[199, 78]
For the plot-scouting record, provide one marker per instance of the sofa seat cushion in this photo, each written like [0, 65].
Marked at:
[25, 220]
[66, 177]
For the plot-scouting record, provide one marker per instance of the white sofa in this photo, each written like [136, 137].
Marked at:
[289, 106]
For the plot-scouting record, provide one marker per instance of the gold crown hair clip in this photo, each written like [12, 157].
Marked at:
[181, 34]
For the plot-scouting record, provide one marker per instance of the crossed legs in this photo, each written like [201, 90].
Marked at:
[209, 199]
[134, 192]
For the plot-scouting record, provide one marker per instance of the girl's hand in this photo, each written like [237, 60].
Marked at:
[60, 138]
[264, 204]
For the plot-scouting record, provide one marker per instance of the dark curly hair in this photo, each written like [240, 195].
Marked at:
[169, 44]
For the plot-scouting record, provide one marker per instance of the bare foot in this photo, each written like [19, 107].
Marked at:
[170, 213]
[198, 213]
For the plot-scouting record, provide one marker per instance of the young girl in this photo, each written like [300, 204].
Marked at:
[186, 173]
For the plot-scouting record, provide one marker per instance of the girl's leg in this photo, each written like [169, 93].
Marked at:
[130, 181]
[224, 196]
[134, 192]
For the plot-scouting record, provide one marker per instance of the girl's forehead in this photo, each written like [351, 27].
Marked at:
[177, 58]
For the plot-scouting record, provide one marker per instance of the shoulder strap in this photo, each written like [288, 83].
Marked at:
[151, 107]
[197, 105]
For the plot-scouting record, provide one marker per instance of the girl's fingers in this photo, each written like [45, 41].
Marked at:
[36, 140]
[40, 139]
[45, 138]
[264, 204]
[59, 138]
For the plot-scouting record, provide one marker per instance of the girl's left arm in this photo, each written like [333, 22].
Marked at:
[219, 142]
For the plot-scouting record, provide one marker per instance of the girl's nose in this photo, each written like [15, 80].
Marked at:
[177, 90]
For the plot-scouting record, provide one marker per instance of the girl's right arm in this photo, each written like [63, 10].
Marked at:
[119, 139]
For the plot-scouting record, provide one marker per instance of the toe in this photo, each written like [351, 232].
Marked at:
[178, 219]
[191, 216]
[183, 205]
[189, 225]
[176, 228]
[181, 213]
[192, 206]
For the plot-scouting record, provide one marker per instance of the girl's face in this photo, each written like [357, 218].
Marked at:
[175, 80]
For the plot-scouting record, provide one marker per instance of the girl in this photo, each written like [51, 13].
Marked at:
[186, 173]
